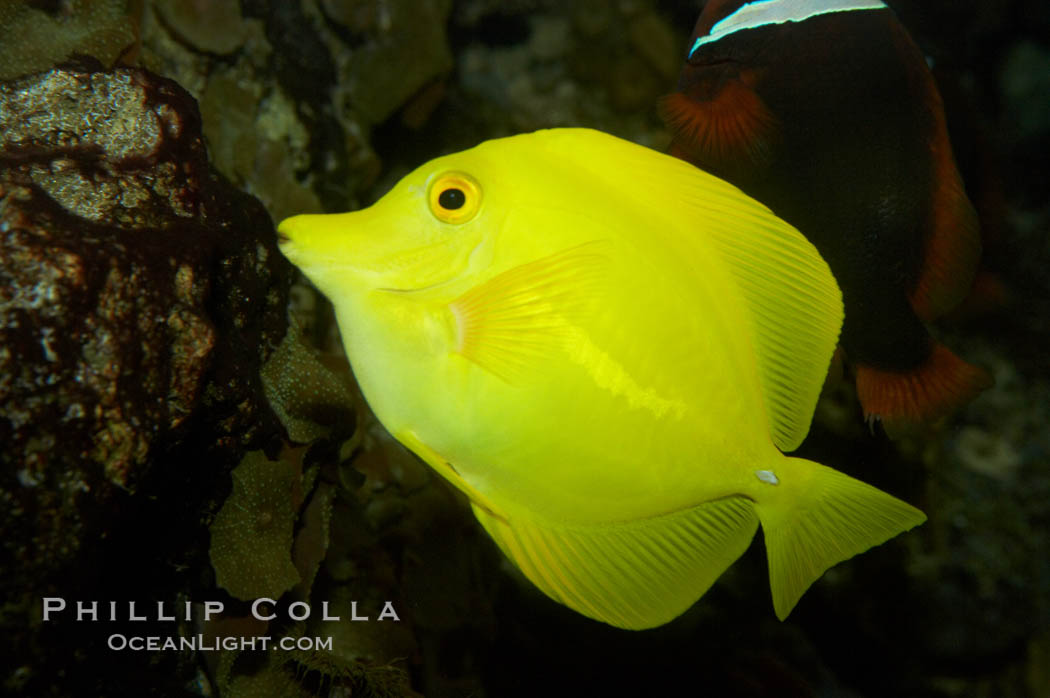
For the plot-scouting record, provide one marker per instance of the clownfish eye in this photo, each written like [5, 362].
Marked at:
[454, 197]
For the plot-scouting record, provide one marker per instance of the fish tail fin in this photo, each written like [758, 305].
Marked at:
[819, 518]
[903, 400]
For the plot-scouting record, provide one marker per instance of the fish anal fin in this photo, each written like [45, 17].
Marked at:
[733, 132]
[933, 390]
[952, 249]
[827, 518]
[521, 315]
[633, 575]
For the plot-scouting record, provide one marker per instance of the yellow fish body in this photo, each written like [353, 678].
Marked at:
[607, 350]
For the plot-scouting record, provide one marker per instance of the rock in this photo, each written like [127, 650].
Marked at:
[139, 296]
[212, 26]
[34, 39]
[277, 117]
[258, 142]
[404, 50]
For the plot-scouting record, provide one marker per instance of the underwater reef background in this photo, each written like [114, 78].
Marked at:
[178, 423]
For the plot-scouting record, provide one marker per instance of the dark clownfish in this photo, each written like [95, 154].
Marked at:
[826, 111]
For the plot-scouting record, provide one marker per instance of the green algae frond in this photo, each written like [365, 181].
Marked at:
[251, 537]
[311, 542]
[35, 40]
[311, 400]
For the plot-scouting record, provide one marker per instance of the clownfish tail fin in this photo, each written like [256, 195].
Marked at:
[931, 391]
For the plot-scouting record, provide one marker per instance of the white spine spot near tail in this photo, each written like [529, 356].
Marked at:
[767, 476]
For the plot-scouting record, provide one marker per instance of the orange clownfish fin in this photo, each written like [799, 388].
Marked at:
[903, 400]
[734, 132]
[953, 248]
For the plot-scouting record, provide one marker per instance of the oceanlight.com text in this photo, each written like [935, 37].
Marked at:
[199, 643]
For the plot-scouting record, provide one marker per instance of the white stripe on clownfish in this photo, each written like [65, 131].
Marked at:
[762, 13]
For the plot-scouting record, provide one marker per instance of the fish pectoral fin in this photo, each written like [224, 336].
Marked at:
[635, 574]
[522, 314]
[446, 470]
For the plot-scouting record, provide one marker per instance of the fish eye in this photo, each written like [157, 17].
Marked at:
[451, 199]
[454, 197]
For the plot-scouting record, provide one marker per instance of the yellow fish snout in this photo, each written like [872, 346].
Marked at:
[304, 236]
[335, 251]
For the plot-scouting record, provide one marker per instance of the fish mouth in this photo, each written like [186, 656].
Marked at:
[283, 238]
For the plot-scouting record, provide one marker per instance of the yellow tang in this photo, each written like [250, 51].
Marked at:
[607, 350]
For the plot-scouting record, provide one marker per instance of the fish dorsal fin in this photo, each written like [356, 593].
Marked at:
[634, 575]
[796, 311]
[788, 291]
[953, 247]
[523, 313]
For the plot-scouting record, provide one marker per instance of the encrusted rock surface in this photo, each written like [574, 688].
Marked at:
[139, 295]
